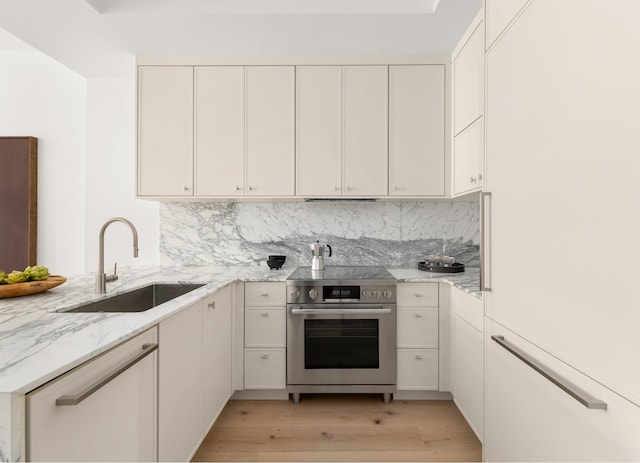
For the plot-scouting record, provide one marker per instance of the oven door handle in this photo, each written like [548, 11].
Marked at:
[334, 311]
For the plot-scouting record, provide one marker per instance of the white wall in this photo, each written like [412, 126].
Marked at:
[86, 158]
[41, 98]
[110, 176]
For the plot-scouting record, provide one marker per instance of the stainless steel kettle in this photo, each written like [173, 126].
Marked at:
[317, 261]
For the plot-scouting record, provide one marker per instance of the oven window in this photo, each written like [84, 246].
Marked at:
[342, 343]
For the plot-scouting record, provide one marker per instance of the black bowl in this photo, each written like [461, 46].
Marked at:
[275, 262]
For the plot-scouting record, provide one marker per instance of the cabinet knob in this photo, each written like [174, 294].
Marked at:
[186, 188]
[250, 188]
[479, 176]
[238, 188]
[336, 188]
[264, 356]
[473, 180]
[212, 305]
[348, 187]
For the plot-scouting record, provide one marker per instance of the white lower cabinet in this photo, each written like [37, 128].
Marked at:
[194, 374]
[467, 358]
[529, 418]
[180, 385]
[100, 410]
[417, 337]
[265, 336]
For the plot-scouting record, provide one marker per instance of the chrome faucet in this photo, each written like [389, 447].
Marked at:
[101, 277]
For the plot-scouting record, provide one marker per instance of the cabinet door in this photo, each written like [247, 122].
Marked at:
[562, 158]
[498, 15]
[416, 130]
[417, 370]
[180, 412]
[270, 130]
[219, 131]
[467, 369]
[319, 130]
[365, 129]
[117, 422]
[468, 151]
[216, 354]
[528, 418]
[265, 368]
[165, 130]
[468, 82]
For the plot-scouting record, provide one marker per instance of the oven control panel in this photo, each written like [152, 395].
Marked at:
[343, 294]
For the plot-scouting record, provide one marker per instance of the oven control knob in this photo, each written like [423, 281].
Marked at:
[295, 295]
[388, 293]
[365, 294]
[313, 294]
[376, 294]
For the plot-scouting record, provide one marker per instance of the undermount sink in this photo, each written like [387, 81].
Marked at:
[138, 300]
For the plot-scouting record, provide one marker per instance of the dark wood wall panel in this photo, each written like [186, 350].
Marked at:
[18, 202]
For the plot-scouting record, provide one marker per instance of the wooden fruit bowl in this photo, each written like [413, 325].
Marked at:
[30, 287]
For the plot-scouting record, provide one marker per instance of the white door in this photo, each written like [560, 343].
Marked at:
[180, 409]
[416, 130]
[562, 162]
[165, 130]
[216, 348]
[219, 131]
[319, 130]
[365, 121]
[115, 421]
[270, 130]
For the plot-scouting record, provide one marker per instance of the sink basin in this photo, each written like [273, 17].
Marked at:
[138, 300]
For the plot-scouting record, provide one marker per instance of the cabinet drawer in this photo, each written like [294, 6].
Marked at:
[417, 369]
[469, 308]
[265, 294]
[264, 327]
[418, 294]
[264, 368]
[418, 327]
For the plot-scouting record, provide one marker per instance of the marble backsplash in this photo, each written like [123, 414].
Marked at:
[391, 234]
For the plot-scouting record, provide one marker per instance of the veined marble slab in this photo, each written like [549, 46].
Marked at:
[384, 233]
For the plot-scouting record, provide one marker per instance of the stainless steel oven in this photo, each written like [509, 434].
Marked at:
[341, 331]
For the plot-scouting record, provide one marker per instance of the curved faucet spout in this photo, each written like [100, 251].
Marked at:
[101, 277]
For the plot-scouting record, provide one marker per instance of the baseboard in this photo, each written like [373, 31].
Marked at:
[261, 394]
[422, 395]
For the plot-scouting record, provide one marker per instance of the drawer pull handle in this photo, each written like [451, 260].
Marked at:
[265, 294]
[264, 356]
[265, 314]
[211, 305]
[418, 295]
[418, 315]
[76, 399]
[567, 386]
[418, 357]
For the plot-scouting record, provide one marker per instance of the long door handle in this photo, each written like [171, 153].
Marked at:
[563, 383]
[485, 241]
[300, 311]
[76, 399]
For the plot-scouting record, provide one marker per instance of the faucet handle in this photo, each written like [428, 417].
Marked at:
[114, 275]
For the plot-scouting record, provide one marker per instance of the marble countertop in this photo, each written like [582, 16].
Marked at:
[38, 343]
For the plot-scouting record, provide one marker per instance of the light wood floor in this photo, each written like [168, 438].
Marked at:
[340, 428]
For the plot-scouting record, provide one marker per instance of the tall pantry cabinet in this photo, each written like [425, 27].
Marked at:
[562, 106]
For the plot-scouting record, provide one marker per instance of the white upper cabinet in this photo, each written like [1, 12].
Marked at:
[468, 111]
[219, 131]
[270, 129]
[319, 130]
[416, 130]
[468, 82]
[365, 125]
[499, 14]
[165, 131]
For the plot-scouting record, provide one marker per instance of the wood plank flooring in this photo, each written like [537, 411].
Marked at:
[337, 427]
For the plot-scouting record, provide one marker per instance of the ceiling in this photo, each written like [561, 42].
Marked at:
[100, 38]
